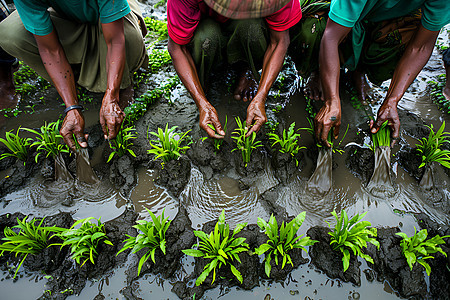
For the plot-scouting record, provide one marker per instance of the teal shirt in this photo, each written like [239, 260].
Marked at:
[351, 13]
[36, 18]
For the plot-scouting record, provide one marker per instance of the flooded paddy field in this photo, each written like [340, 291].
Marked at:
[194, 190]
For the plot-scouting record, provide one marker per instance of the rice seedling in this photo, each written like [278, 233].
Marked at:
[220, 248]
[152, 235]
[245, 144]
[49, 141]
[418, 249]
[281, 241]
[84, 240]
[288, 141]
[217, 142]
[430, 148]
[31, 239]
[168, 145]
[352, 235]
[122, 143]
[383, 137]
[17, 145]
[334, 144]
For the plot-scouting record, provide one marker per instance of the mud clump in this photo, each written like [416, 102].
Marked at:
[18, 174]
[122, 174]
[410, 159]
[208, 159]
[330, 261]
[174, 175]
[360, 162]
[249, 268]
[52, 257]
[285, 165]
[390, 264]
[179, 236]
[71, 278]
[440, 274]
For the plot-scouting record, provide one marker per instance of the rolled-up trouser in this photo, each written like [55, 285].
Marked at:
[243, 41]
[5, 58]
[83, 44]
[384, 45]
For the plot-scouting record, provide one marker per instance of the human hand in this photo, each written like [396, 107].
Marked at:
[387, 112]
[73, 125]
[256, 116]
[329, 116]
[208, 115]
[111, 116]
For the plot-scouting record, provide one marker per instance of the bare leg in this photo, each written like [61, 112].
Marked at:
[126, 97]
[246, 87]
[446, 89]
[363, 87]
[313, 87]
[8, 98]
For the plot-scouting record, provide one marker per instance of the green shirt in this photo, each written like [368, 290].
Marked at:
[36, 18]
[351, 13]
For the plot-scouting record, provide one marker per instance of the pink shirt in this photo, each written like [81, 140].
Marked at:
[183, 17]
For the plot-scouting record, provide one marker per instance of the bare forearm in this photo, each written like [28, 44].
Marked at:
[273, 62]
[413, 60]
[186, 70]
[57, 67]
[115, 56]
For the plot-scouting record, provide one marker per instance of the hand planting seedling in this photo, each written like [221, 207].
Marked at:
[168, 145]
[382, 138]
[31, 239]
[243, 143]
[152, 235]
[219, 248]
[282, 241]
[288, 142]
[334, 145]
[17, 145]
[49, 141]
[84, 240]
[352, 235]
[430, 148]
[418, 249]
[217, 142]
[122, 143]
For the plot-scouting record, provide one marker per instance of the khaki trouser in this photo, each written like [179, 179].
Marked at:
[83, 44]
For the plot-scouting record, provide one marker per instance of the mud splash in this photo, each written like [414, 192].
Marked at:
[321, 180]
[85, 173]
[381, 184]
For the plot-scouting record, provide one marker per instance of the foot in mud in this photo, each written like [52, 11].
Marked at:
[126, 97]
[246, 86]
[366, 94]
[313, 87]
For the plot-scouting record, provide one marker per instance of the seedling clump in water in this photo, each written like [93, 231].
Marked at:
[217, 142]
[243, 143]
[84, 241]
[418, 249]
[122, 143]
[49, 140]
[152, 235]
[352, 235]
[288, 142]
[281, 241]
[168, 145]
[31, 239]
[221, 248]
[17, 145]
[430, 148]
